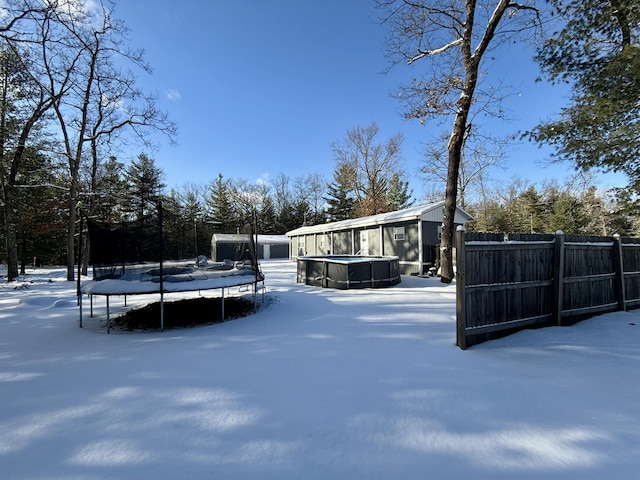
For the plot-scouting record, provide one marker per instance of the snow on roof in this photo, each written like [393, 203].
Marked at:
[431, 211]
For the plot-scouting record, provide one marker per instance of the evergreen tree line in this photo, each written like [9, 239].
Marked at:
[523, 208]
[116, 192]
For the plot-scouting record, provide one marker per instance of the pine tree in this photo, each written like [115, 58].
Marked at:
[340, 195]
[398, 195]
[598, 53]
[568, 215]
[192, 214]
[532, 212]
[301, 214]
[177, 244]
[22, 108]
[219, 205]
[144, 187]
[267, 222]
[41, 210]
[110, 191]
[286, 219]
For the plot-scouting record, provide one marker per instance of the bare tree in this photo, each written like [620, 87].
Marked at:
[100, 101]
[480, 153]
[67, 50]
[282, 197]
[26, 100]
[317, 188]
[453, 36]
[290, 202]
[307, 197]
[247, 199]
[371, 164]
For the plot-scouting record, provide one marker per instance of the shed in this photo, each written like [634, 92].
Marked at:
[412, 234]
[232, 246]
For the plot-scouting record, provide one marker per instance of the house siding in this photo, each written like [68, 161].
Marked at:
[342, 243]
[417, 252]
[407, 248]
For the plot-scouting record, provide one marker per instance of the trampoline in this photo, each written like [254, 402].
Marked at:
[135, 258]
[348, 271]
[176, 277]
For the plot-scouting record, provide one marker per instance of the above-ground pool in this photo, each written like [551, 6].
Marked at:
[348, 271]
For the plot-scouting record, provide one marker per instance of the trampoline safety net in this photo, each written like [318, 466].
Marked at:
[127, 248]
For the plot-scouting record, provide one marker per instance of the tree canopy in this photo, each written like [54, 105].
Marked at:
[369, 168]
[597, 51]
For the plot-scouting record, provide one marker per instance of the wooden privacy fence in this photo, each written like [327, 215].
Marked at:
[507, 283]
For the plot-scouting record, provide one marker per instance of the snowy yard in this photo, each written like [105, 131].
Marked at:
[319, 384]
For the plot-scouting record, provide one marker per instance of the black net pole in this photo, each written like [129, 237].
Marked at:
[256, 247]
[78, 292]
[160, 240]
[256, 254]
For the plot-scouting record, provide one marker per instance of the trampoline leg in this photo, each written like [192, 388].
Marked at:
[91, 305]
[222, 304]
[161, 312]
[80, 306]
[108, 329]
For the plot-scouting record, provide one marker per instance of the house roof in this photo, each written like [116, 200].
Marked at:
[432, 212]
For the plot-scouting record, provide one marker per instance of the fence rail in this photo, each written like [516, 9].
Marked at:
[506, 284]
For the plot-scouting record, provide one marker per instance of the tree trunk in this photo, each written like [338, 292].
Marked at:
[11, 237]
[446, 245]
[456, 143]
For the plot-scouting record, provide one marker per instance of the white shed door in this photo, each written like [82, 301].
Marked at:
[364, 242]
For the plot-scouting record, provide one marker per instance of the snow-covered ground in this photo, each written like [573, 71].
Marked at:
[319, 384]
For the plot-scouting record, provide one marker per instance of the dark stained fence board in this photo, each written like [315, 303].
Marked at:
[521, 281]
[512, 324]
[631, 264]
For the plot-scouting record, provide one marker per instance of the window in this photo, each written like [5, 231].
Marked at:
[398, 233]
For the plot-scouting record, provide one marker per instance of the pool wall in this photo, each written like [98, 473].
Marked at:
[348, 271]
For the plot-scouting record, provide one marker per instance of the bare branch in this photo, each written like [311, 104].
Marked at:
[422, 54]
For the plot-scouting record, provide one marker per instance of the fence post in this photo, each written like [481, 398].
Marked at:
[620, 284]
[461, 301]
[558, 277]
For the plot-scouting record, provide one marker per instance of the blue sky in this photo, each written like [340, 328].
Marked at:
[262, 87]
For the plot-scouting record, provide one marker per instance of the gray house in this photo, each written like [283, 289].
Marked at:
[412, 235]
[231, 246]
